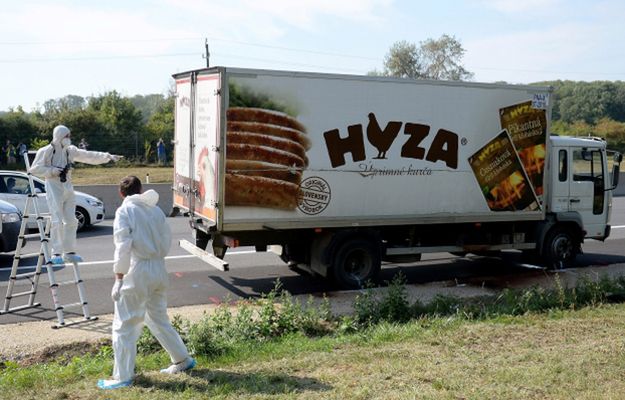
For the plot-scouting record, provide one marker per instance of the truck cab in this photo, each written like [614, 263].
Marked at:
[582, 183]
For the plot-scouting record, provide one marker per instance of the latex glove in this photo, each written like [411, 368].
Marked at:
[115, 157]
[116, 292]
[56, 171]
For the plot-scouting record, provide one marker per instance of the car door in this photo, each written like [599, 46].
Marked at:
[14, 190]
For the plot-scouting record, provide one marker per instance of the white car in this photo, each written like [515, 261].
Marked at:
[89, 209]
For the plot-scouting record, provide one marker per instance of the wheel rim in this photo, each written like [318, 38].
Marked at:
[562, 247]
[81, 219]
[358, 264]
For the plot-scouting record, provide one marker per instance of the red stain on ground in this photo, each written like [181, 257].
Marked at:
[214, 300]
[178, 274]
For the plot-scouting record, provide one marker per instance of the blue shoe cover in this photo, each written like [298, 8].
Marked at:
[185, 365]
[57, 260]
[113, 384]
[72, 258]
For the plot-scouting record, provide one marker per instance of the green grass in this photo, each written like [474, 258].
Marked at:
[112, 175]
[556, 355]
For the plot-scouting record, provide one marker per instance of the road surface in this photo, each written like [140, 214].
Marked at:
[251, 274]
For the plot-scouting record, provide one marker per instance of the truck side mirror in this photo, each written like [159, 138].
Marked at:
[616, 171]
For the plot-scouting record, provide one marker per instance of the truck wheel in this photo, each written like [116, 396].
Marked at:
[561, 247]
[356, 262]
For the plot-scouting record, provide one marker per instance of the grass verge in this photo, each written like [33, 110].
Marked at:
[112, 175]
[562, 343]
[556, 355]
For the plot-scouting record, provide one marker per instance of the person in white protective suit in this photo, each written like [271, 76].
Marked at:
[142, 239]
[54, 162]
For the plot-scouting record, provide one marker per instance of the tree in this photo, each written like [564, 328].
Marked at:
[120, 122]
[403, 60]
[441, 59]
[160, 125]
[434, 59]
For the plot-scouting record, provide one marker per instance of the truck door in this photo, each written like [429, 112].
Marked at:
[587, 189]
[197, 139]
[182, 139]
[560, 179]
[206, 144]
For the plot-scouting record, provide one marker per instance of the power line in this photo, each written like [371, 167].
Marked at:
[252, 44]
[93, 58]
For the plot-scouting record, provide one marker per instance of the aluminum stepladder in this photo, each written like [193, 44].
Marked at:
[43, 259]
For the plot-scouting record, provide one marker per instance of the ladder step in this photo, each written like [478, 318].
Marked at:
[64, 283]
[71, 305]
[27, 275]
[27, 255]
[31, 236]
[19, 308]
[20, 294]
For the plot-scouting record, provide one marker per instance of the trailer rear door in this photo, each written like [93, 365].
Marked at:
[197, 138]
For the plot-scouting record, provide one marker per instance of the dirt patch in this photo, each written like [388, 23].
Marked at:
[64, 353]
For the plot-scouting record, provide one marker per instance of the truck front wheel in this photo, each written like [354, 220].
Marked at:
[356, 262]
[561, 247]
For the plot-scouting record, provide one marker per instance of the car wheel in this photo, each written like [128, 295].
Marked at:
[83, 218]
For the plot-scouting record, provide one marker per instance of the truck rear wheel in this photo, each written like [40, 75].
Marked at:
[356, 262]
[561, 247]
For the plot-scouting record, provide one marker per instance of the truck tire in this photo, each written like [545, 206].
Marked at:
[356, 261]
[560, 248]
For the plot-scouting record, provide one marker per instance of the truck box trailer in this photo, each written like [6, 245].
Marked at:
[343, 172]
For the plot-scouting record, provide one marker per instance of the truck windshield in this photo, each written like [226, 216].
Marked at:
[588, 167]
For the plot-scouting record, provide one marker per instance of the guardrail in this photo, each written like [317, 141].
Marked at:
[109, 194]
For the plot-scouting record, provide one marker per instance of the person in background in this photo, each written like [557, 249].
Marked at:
[160, 152]
[11, 153]
[142, 239]
[11, 185]
[3, 154]
[55, 162]
[21, 150]
[83, 145]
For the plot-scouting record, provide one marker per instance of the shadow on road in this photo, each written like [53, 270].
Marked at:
[508, 270]
[96, 230]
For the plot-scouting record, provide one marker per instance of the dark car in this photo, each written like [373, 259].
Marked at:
[10, 228]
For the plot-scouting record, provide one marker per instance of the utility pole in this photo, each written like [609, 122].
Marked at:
[206, 54]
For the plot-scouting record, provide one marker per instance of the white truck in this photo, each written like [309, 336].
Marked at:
[343, 172]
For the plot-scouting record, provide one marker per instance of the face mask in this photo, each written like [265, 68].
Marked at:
[66, 142]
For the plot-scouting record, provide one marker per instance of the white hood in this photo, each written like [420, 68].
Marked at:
[59, 132]
[149, 197]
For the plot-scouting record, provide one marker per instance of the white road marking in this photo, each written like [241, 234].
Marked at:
[89, 263]
[618, 227]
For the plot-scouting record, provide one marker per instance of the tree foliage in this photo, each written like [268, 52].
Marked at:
[108, 122]
[438, 59]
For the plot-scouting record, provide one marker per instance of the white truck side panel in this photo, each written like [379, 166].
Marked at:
[406, 173]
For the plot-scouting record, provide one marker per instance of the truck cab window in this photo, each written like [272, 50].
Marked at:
[588, 167]
[563, 170]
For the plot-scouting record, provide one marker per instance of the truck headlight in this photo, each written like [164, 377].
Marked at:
[94, 203]
[10, 217]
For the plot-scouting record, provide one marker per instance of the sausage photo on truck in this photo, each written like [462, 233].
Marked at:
[265, 157]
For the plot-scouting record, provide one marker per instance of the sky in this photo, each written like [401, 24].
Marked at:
[53, 48]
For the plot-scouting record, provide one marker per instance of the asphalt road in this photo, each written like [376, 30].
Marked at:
[251, 274]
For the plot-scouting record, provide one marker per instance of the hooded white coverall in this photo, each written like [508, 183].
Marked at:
[48, 162]
[142, 239]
